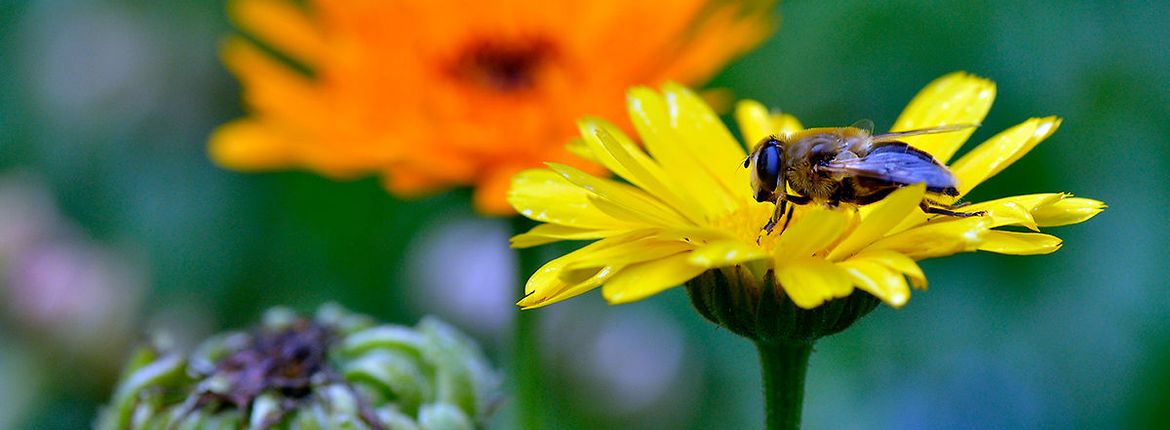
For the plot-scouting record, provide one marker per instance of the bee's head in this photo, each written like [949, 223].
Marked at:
[766, 164]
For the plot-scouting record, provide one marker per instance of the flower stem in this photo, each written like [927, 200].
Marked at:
[783, 366]
[526, 352]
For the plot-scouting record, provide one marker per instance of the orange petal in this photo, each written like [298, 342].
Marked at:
[281, 25]
[248, 145]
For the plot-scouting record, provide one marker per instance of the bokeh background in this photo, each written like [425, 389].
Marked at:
[113, 223]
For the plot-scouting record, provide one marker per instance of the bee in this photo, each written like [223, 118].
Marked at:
[838, 165]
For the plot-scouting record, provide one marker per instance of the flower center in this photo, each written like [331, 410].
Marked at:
[286, 360]
[746, 223]
[504, 66]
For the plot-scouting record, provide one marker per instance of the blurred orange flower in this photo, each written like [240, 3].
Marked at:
[434, 94]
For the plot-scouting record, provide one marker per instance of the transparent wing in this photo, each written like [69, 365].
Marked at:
[896, 163]
[864, 124]
[893, 137]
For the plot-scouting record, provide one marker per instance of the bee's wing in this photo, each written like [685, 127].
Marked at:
[893, 137]
[865, 125]
[897, 163]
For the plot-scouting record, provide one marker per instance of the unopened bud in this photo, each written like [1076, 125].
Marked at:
[337, 371]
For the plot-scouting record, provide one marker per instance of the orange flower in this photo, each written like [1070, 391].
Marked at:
[434, 94]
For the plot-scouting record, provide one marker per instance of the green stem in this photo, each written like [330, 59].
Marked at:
[526, 355]
[783, 366]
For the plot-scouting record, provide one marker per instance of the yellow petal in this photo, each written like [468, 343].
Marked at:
[625, 212]
[552, 283]
[1010, 242]
[1005, 212]
[1015, 210]
[627, 253]
[1047, 209]
[992, 156]
[549, 233]
[879, 219]
[618, 153]
[577, 146]
[879, 280]
[725, 253]
[547, 287]
[786, 124]
[815, 230]
[563, 291]
[281, 25]
[756, 122]
[650, 115]
[1029, 201]
[544, 195]
[707, 134]
[957, 98]
[812, 281]
[913, 219]
[936, 239]
[899, 263]
[549, 279]
[642, 280]
[695, 234]
[614, 150]
[648, 210]
[1069, 210]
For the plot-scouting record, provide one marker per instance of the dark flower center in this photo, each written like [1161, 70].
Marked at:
[285, 360]
[504, 66]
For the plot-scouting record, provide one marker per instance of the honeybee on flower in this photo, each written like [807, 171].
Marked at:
[831, 166]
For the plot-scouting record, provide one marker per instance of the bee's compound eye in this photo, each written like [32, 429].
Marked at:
[768, 166]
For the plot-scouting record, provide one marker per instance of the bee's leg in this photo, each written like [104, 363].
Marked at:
[798, 200]
[933, 208]
[781, 211]
[781, 207]
[787, 220]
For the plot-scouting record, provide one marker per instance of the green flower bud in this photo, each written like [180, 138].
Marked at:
[758, 309]
[337, 371]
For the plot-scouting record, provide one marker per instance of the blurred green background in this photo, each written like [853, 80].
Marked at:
[113, 223]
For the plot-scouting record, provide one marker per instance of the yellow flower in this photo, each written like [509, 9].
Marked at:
[442, 93]
[687, 207]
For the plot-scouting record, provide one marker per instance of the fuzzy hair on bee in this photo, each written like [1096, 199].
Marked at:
[830, 166]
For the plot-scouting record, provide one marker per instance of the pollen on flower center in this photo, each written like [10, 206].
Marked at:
[746, 222]
[504, 66]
